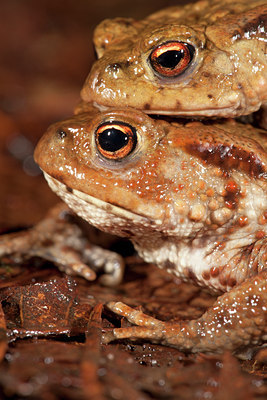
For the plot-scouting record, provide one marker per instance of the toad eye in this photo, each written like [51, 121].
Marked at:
[115, 140]
[170, 59]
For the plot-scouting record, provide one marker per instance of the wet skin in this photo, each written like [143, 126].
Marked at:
[192, 199]
[204, 59]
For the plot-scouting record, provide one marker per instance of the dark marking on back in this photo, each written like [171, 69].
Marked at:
[252, 22]
[257, 23]
[236, 34]
[228, 156]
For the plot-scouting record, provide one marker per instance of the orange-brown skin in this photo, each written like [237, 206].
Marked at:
[227, 76]
[191, 197]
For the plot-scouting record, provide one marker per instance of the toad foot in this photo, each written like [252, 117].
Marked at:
[236, 320]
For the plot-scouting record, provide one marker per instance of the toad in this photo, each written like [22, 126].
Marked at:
[192, 199]
[206, 59]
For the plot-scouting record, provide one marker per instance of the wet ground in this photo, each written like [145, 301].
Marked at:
[54, 349]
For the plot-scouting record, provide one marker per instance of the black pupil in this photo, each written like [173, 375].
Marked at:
[170, 59]
[112, 139]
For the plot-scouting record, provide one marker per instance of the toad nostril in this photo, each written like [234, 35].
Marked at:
[61, 134]
[114, 67]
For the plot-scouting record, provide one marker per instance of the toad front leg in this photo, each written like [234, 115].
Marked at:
[59, 239]
[237, 319]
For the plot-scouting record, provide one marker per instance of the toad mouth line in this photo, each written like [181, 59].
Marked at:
[100, 204]
[182, 113]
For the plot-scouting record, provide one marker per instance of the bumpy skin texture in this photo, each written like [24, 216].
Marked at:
[192, 198]
[227, 76]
